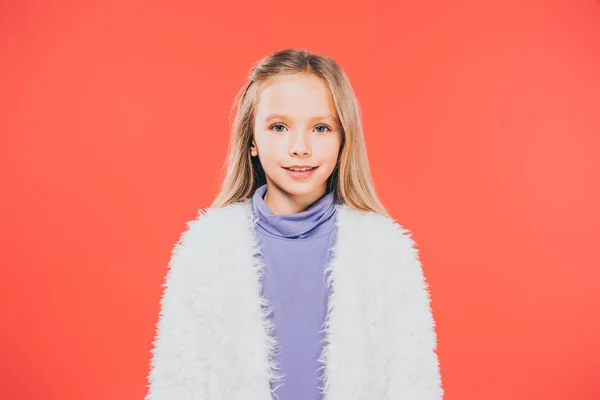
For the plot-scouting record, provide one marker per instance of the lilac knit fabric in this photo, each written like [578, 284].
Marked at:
[296, 249]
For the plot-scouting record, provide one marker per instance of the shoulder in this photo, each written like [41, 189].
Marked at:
[374, 227]
[205, 241]
[390, 246]
[214, 223]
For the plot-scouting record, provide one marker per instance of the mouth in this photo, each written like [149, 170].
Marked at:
[300, 169]
[300, 173]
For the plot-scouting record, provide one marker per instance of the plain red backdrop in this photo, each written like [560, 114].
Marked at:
[482, 122]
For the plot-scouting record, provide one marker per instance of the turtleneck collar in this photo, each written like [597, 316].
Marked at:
[313, 222]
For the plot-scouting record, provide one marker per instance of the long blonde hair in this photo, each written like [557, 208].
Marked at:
[351, 179]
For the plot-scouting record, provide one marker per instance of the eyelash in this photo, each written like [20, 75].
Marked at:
[274, 125]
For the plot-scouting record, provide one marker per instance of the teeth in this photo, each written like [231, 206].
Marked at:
[299, 169]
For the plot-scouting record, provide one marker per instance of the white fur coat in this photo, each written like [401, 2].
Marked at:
[213, 337]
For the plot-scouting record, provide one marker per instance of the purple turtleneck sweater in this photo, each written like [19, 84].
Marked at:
[295, 252]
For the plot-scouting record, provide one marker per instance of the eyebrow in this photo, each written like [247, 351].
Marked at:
[283, 116]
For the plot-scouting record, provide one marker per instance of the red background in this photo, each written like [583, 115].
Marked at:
[482, 122]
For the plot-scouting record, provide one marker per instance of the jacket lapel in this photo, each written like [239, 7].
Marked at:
[214, 337]
[353, 361]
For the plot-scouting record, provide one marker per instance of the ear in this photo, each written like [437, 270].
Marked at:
[253, 149]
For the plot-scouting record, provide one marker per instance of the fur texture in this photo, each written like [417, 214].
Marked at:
[214, 338]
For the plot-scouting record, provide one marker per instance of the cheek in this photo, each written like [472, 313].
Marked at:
[328, 151]
[269, 150]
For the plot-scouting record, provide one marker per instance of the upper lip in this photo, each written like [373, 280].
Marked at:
[299, 166]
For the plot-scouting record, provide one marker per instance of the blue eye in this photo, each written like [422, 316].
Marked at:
[324, 126]
[319, 126]
[275, 126]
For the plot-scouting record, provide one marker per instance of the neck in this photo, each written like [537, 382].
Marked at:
[281, 202]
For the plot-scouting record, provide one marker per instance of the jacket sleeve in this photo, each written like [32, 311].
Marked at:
[413, 365]
[176, 373]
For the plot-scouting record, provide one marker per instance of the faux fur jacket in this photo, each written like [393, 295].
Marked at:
[214, 338]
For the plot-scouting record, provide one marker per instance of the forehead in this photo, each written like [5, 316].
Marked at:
[300, 95]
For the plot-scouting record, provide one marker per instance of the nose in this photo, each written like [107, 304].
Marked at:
[300, 146]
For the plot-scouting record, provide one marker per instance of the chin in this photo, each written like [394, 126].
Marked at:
[301, 188]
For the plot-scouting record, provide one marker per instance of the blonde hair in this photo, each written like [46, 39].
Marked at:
[351, 179]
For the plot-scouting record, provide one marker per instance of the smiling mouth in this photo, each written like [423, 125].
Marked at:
[300, 169]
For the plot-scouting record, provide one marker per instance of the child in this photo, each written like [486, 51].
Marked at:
[295, 283]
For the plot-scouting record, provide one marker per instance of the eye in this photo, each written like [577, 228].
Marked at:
[323, 126]
[318, 126]
[274, 125]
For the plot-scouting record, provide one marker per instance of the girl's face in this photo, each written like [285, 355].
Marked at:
[295, 126]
